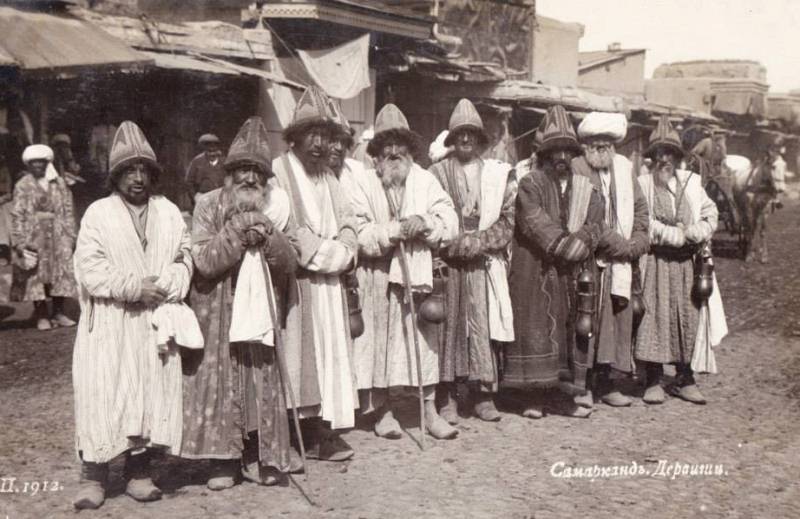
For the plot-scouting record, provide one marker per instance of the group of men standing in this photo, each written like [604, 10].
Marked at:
[266, 268]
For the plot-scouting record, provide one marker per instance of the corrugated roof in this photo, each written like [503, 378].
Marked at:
[39, 41]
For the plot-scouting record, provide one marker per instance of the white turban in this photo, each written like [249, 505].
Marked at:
[37, 152]
[595, 124]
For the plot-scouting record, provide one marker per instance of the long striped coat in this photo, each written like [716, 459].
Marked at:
[127, 395]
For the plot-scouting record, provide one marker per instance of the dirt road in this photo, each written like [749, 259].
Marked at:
[735, 457]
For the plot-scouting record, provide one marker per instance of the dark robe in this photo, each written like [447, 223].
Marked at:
[613, 335]
[546, 352]
[231, 390]
[466, 351]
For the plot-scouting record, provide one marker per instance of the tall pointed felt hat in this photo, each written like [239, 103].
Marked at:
[557, 131]
[465, 115]
[313, 108]
[130, 145]
[391, 124]
[664, 136]
[250, 146]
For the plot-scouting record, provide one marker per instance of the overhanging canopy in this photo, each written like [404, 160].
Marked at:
[39, 42]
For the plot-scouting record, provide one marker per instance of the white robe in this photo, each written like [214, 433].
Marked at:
[127, 395]
[385, 356]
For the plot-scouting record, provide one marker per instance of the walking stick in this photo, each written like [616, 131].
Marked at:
[283, 368]
[410, 300]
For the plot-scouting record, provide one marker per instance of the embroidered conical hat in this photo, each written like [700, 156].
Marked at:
[390, 122]
[250, 146]
[313, 108]
[664, 136]
[557, 131]
[465, 115]
[130, 145]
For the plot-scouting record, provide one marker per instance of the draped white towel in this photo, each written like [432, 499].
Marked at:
[251, 319]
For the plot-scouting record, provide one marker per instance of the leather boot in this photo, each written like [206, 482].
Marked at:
[653, 393]
[92, 490]
[140, 485]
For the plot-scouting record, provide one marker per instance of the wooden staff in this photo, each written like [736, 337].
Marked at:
[410, 300]
[282, 366]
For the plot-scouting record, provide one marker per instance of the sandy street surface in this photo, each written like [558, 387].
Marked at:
[749, 434]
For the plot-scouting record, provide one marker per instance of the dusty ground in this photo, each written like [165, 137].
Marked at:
[750, 428]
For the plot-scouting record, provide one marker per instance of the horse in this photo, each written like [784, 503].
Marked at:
[755, 193]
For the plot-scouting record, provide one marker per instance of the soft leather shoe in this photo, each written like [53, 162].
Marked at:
[486, 410]
[616, 399]
[143, 490]
[690, 393]
[654, 395]
[388, 427]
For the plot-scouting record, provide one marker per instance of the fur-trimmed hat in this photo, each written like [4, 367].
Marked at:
[313, 110]
[129, 146]
[250, 146]
[557, 132]
[664, 136]
[391, 124]
[466, 116]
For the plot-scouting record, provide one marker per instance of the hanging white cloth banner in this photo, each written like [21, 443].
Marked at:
[341, 72]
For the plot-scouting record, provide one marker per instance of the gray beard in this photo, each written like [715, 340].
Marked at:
[599, 162]
[248, 199]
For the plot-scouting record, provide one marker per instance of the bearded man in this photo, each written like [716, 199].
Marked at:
[341, 142]
[133, 266]
[478, 305]
[234, 406]
[317, 328]
[677, 326]
[398, 202]
[42, 238]
[559, 218]
[623, 241]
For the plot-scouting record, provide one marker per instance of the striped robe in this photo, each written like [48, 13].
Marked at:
[126, 394]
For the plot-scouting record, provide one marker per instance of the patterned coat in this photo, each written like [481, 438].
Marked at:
[232, 389]
[43, 221]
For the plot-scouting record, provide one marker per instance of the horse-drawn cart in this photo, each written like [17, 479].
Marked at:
[720, 189]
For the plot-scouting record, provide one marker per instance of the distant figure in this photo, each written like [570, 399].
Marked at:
[64, 160]
[205, 173]
[43, 234]
[6, 195]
